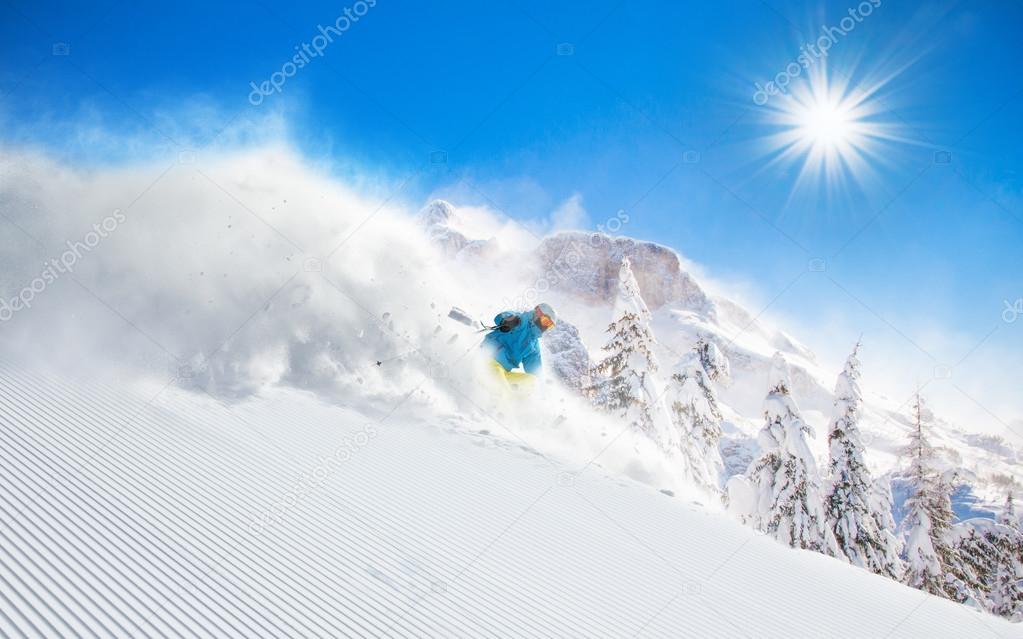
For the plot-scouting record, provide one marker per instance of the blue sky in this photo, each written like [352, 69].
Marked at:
[919, 255]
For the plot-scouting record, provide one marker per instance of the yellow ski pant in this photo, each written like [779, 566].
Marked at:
[511, 380]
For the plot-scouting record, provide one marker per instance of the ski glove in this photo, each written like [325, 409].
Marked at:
[509, 324]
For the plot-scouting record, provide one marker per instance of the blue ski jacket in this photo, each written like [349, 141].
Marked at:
[520, 345]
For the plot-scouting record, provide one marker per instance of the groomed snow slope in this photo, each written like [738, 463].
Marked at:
[139, 512]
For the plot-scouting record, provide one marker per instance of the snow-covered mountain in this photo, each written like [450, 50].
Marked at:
[578, 272]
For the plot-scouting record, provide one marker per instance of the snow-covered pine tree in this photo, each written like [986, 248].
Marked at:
[1006, 598]
[961, 582]
[787, 497]
[714, 361]
[850, 499]
[969, 577]
[929, 555]
[614, 389]
[923, 570]
[989, 571]
[625, 380]
[882, 508]
[1008, 516]
[1006, 592]
[695, 412]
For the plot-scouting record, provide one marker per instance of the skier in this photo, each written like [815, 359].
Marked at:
[514, 341]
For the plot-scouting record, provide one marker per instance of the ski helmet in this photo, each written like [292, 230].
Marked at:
[544, 316]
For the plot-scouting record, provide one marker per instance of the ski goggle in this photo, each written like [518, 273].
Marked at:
[543, 320]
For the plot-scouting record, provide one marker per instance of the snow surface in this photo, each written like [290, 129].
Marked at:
[147, 510]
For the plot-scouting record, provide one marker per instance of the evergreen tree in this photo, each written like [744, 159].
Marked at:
[695, 412]
[989, 571]
[1008, 515]
[1006, 598]
[714, 362]
[881, 508]
[626, 379]
[1006, 591]
[929, 555]
[615, 387]
[786, 488]
[970, 575]
[850, 502]
[923, 570]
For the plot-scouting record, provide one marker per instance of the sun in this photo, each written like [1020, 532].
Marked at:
[834, 132]
[826, 124]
